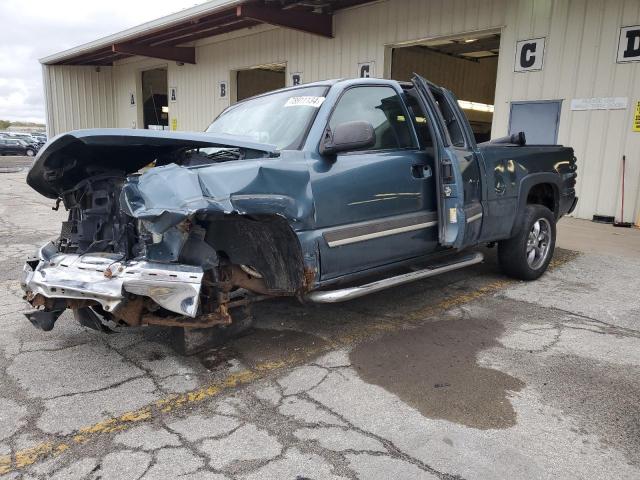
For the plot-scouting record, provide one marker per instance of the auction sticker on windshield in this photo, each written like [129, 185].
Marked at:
[307, 101]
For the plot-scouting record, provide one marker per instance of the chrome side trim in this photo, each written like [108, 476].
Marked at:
[379, 227]
[384, 233]
[475, 217]
[344, 294]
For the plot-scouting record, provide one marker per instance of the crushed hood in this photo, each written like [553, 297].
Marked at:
[71, 157]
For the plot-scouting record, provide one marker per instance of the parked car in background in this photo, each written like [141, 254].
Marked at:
[39, 138]
[31, 138]
[18, 135]
[15, 146]
[32, 146]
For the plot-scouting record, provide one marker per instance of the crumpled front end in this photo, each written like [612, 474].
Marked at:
[171, 245]
[105, 283]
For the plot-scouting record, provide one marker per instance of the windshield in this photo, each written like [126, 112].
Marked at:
[281, 119]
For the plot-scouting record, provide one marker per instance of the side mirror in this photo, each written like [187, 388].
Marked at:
[348, 136]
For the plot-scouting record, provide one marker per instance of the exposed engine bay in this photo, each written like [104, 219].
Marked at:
[150, 247]
[96, 222]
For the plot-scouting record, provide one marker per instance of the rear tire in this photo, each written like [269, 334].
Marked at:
[30, 153]
[526, 255]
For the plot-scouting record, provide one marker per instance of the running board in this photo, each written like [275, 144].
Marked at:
[344, 294]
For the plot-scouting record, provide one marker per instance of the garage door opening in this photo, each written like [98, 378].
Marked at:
[260, 79]
[467, 65]
[155, 105]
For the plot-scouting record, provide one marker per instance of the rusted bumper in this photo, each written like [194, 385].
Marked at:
[107, 280]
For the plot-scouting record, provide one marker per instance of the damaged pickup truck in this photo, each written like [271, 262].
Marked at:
[325, 192]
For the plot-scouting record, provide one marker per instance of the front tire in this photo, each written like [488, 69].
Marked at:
[30, 153]
[526, 255]
[189, 341]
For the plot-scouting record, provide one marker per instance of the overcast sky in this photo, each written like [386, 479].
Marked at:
[32, 29]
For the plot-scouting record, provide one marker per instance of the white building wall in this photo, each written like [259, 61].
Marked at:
[361, 34]
[581, 41]
[580, 62]
[127, 80]
[78, 97]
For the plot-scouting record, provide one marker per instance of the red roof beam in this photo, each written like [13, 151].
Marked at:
[211, 33]
[190, 26]
[177, 54]
[200, 32]
[316, 23]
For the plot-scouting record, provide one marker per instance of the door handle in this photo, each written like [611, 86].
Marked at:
[421, 171]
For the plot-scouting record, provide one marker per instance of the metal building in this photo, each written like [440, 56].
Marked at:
[565, 71]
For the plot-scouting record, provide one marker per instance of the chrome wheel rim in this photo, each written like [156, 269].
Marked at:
[538, 243]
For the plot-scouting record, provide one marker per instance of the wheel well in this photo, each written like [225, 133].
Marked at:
[265, 243]
[543, 194]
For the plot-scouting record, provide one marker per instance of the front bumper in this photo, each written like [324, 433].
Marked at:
[107, 279]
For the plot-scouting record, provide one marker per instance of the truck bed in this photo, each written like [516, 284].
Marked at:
[511, 170]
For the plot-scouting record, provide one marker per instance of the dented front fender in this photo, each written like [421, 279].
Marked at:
[165, 196]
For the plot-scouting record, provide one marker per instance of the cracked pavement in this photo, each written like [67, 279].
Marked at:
[464, 376]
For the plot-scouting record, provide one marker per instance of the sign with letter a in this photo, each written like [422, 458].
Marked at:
[366, 69]
[529, 55]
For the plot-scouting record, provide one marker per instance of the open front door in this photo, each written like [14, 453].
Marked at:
[457, 168]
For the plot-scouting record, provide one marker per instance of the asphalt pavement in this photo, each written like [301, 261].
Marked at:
[12, 164]
[469, 375]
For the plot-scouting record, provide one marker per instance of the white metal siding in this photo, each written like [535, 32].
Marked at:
[361, 34]
[580, 62]
[78, 97]
[581, 40]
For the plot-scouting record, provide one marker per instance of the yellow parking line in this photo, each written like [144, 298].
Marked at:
[26, 457]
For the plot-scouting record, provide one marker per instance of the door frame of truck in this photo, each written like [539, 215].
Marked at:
[441, 145]
[451, 209]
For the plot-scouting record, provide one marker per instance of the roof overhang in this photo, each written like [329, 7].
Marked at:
[162, 38]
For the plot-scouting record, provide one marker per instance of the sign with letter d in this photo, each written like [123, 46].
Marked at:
[629, 44]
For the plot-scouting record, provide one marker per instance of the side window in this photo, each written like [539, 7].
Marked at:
[382, 108]
[420, 120]
[450, 120]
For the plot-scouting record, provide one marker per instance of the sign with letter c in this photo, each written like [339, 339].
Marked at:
[529, 55]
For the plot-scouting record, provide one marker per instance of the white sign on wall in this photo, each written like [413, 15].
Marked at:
[529, 55]
[367, 69]
[223, 90]
[600, 103]
[296, 78]
[629, 44]
[132, 99]
[173, 94]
